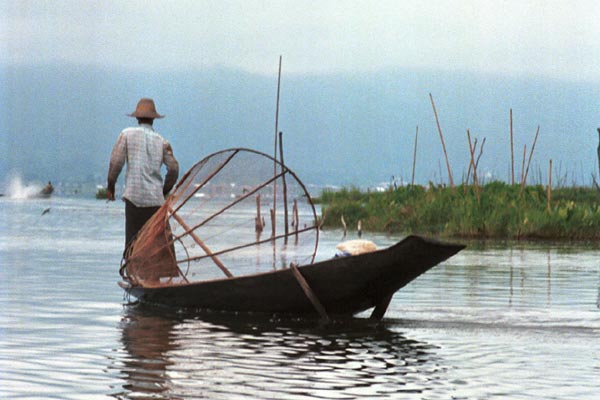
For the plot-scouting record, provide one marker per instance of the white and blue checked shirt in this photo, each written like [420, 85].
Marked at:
[145, 151]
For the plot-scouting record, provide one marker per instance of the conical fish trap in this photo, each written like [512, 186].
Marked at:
[236, 212]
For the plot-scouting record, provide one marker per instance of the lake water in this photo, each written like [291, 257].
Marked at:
[496, 321]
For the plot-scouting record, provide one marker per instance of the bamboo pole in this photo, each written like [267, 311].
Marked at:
[469, 169]
[205, 181]
[285, 205]
[475, 179]
[412, 181]
[530, 157]
[598, 153]
[476, 161]
[549, 195]
[202, 245]
[233, 203]
[480, 153]
[273, 230]
[523, 163]
[242, 246]
[437, 121]
[512, 155]
[323, 216]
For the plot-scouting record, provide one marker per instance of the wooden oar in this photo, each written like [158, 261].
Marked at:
[381, 308]
[310, 293]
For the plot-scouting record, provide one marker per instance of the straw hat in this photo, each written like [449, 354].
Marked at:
[145, 109]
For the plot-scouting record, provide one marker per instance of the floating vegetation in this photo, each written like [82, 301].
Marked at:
[501, 211]
[101, 193]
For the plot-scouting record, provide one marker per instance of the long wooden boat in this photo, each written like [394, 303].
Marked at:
[269, 266]
[343, 285]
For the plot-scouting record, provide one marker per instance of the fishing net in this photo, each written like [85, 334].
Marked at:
[236, 212]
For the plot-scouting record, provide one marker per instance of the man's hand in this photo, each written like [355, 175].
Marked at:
[110, 192]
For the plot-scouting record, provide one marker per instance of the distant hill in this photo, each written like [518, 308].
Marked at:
[59, 122]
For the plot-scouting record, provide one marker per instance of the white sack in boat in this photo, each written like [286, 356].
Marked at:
[354, 247]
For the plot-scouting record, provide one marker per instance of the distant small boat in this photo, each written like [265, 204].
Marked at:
[47, 190]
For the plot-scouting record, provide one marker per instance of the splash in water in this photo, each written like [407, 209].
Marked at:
[18, 190]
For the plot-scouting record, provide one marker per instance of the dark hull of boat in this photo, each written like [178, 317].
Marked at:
[344, 285]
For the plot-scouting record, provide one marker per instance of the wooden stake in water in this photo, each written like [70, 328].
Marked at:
[598, 152]
[258, 224]
[530, 157]
[285, 205]
[549, 186]
[437, 121]
[273, 230]
[472, 151]
[296, 219]
[512, 155]
[470, 166]
[412, 181]
[523, 163]
[480, 152]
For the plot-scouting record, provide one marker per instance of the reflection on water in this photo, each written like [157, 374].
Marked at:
[147, 339]
[598, 300]
[522, 276]
[220, 356]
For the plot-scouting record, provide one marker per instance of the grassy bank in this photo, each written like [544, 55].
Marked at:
[500, 211]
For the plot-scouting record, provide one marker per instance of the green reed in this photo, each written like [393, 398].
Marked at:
[502, 211]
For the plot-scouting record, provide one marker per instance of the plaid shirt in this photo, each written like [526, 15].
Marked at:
[144, 151]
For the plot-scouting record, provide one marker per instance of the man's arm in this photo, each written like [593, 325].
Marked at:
[117, 160]
[172, 168]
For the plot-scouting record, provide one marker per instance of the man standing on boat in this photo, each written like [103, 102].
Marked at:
[144, 151]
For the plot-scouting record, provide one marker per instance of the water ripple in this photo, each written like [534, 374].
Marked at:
[497, 321]
[271, 359]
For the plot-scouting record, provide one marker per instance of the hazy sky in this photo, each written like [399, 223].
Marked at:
[551, 38]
